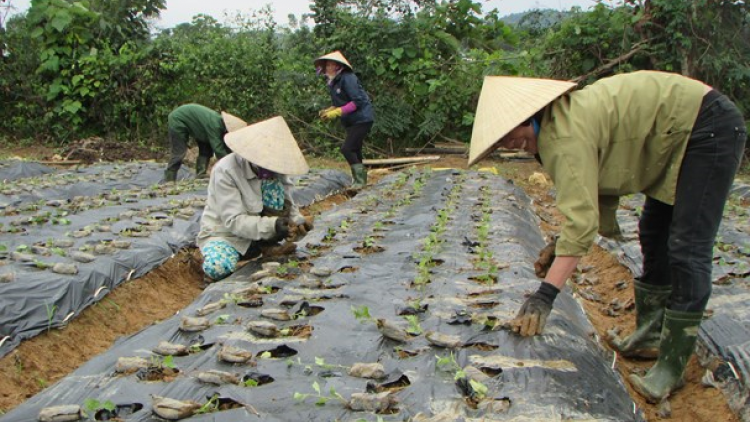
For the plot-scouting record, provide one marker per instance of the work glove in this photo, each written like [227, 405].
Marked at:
[298, 231]
[282, 227]
[546, 257]
[533, 314]
[308, 224]
[330, 113]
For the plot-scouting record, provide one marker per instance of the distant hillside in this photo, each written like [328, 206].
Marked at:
[539, 18]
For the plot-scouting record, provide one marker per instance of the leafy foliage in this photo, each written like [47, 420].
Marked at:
[73, 69]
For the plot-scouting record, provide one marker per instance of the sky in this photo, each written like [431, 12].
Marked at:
[180, 11]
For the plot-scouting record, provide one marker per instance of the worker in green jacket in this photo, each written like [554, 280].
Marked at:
[207, 127]
[674, 139]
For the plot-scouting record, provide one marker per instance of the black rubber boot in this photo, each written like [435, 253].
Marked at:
[201, 167]
[678, 339]
[650, 303]
[170, 175]
[359, 176]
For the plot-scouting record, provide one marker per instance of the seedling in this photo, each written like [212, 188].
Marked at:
[221, 319]
[211, 405]
[447, 363]
[58, 251]
[321, 399]
[362, 314]
[231, 298]
[414, 327]
[330, 234]
[51, 310]
[92, 406]
[166, 362]
[369, 242]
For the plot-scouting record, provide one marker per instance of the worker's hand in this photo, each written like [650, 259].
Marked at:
[533, 314]
[546, 257]
[308, 223]
[282, 227]
[331, 113]
[324, 111]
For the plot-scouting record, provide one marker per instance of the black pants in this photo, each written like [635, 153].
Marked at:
[355, 138]
[179, 144]
[677, 241]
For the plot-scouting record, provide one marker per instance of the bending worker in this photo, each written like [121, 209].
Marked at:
[350, 103]
[207, 127]
[674, 139]
[250, 197]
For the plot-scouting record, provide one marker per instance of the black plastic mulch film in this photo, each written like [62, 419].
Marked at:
[435, 259]
[101, 225]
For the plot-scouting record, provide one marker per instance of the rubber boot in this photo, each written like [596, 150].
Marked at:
[650, 303]
[170, 175]
[201, 167]
[359, 176]
[678, 339]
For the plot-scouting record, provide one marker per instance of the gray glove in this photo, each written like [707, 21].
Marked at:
[533, 314]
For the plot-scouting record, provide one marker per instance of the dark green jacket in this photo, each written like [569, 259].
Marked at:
[621, 135]
[202, 124]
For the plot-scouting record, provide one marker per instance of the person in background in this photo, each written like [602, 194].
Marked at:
[350, 103]
[676, 140]
[249, 200]
[207, 127]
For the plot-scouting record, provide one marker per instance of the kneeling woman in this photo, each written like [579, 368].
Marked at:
[249, 196]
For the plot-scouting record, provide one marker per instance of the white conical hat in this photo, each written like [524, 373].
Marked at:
[504, 103]
[269, 144]
[336, 56]
[231, 122]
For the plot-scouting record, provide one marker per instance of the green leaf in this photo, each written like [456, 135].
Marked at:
[316, 387]
[37, 32]
[478, 388]
[72, 107]
[61, 20]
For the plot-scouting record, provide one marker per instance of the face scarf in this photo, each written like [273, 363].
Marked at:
[271, 188]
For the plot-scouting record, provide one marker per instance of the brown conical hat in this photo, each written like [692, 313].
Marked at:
[269, 144]
[504, 103]
[231, 122]
[336, 56]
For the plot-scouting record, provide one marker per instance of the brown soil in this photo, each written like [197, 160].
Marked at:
[41, 361]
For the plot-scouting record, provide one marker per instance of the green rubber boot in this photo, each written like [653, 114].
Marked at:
[201, 167]
[170, 176]
[359, 176]
[678, 339]
[650, 302]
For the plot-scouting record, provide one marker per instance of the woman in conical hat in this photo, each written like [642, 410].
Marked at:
[674, 139]
[249, 200]
[204, 125]
[350, 103]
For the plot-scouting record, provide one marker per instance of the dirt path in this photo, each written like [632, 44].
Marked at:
[41, 361]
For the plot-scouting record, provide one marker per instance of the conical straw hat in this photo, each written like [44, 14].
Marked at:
[504, 103]
[336, 56]
[231, 122]
[269, 144]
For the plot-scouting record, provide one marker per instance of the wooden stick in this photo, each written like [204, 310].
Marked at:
[386, 161]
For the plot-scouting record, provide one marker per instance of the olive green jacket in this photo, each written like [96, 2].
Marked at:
[621, 135]
[202, 124]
